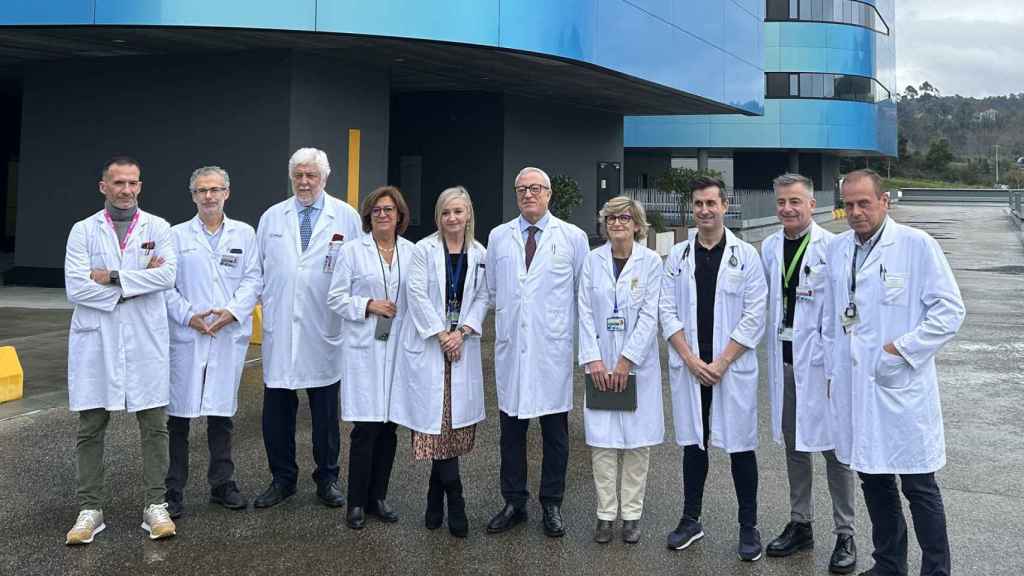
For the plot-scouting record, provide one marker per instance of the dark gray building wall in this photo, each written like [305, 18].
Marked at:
[559, 139]
[328, 98]
[645, 163]
[246, 113]
[172, 114]
[755, 170]
[458, 138]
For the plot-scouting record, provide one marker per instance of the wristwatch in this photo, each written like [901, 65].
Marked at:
[115, 278]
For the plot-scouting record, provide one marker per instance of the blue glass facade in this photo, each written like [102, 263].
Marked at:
[799, 124]
[642, 39]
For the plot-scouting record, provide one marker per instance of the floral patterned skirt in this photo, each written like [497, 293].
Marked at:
[449, 443]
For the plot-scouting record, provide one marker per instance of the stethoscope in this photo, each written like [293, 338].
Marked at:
[733, 260]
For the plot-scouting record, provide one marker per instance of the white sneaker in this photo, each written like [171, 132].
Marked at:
[157, 521]
[89, 524]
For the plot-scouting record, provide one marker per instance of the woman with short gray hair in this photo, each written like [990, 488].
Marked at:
[618, 320]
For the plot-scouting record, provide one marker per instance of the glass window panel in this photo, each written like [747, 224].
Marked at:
[830, 86]
[818, 86]
[794, 84]
[815, 9]
[794, 9]
[777, 85]
[805, 9]
[848, 12]
[777, 10]
[806, 84]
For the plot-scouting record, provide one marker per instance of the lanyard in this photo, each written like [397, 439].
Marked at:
[615, 282]
[853, 264]
[453, 279]
[128, 233]
[384, 275]
[787, 273]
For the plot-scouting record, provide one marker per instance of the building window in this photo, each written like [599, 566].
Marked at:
[824, 86]
[852, 12]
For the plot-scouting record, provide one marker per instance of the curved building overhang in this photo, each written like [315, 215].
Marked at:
[607, 54]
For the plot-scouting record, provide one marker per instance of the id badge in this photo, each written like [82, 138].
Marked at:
[786, 334]
[229, 260]
[453, 317]
[383, 329]
[850, 316]
[804, 293]
[332, 256]
[616, 324]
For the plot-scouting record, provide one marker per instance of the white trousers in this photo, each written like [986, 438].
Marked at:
[629, 492]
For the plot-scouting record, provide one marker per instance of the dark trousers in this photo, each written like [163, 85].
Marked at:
[218, 438]
[555, 432]
[695, 472]
[279, 408]
[370, 460]
[889, 528]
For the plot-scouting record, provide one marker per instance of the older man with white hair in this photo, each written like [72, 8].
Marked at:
[533, 268]
[299, 241]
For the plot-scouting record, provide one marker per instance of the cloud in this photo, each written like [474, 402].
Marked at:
[972, 49]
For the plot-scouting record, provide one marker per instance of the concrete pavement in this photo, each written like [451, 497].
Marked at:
[983, 483]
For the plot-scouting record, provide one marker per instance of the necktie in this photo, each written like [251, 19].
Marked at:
[306, 227]
[531, 244]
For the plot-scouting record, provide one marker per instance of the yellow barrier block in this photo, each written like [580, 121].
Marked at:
[257, 325]
[12, 379]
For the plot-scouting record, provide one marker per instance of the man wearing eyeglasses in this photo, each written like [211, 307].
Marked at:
[533, 266]
[299, 241]
[209, 313]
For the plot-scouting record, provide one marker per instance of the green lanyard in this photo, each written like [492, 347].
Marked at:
[788, 273]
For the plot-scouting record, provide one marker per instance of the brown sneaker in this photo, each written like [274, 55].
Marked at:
[157, 521]
[89, 524]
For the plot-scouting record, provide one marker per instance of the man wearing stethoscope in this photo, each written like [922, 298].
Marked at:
[712, 314]
[892, 304]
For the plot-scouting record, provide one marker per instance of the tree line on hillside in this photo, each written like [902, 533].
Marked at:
[956, 139]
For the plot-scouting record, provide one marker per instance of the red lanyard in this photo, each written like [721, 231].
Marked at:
[128, 233]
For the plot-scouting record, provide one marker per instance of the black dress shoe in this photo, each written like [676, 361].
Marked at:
[330, 495]
[356, 518]
[603, 531]
[553, 526]
[506, 519]
[381, 510]
[844, 555]
[796, 536]
[630, 531]
[228, 496]
[273, 496]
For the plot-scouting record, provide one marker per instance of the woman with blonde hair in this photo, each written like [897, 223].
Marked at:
[618, 320]
[438, 387]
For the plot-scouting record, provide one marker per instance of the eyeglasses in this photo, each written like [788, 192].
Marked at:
[214, 190]
[382, 210]
[620, 218]
[534, 189]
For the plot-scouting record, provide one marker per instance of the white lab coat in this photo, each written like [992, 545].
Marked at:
[302, 341]
[534, 316]
[369, 363]
[887, 410]
[117, 350]
[205, 371]
[418, 389]
[636, 291]
[813, 422]
[740, 300]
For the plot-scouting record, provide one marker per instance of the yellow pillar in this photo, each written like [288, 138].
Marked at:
[12, 379]
[354, 137]
[257, 325]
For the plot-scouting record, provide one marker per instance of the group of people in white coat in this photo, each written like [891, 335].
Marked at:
[382, 332]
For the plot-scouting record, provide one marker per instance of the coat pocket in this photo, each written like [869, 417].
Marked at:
[895, 289]
[892, 371]
[85, 319]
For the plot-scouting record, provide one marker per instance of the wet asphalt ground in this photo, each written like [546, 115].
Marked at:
[980, 373]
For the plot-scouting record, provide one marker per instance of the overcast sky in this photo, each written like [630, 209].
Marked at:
[966, 47]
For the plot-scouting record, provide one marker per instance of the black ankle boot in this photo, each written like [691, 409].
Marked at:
[458, 524]
[435, 500]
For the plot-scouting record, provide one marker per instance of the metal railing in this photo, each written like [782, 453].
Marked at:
[745, 205]
[1016, 199]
